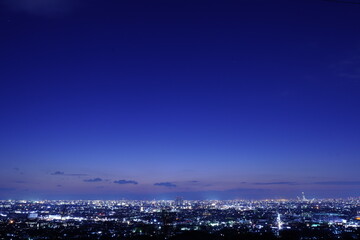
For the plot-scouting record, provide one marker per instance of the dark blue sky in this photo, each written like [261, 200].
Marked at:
[154, 99]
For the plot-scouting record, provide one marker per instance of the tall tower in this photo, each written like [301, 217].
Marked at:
[179, 202]
[303, 197]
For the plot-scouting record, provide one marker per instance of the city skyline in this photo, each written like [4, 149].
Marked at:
[198, 99]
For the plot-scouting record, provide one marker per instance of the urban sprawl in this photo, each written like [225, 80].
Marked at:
[181, 219]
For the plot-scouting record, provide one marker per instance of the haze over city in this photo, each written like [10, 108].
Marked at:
[199, 99]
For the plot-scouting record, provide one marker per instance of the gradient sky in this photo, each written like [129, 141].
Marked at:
[202, 99]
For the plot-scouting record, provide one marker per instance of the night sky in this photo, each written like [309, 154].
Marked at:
[142, 99]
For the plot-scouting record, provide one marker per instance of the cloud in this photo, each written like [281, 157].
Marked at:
[93, 180]
[165, 184]
[20, 181]
[125, 182]
[69, 174]
[49, 8]
[76, 174]
[351, 183]
[6, 189]
[194, 181]
[275, 183]
[348, 68]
